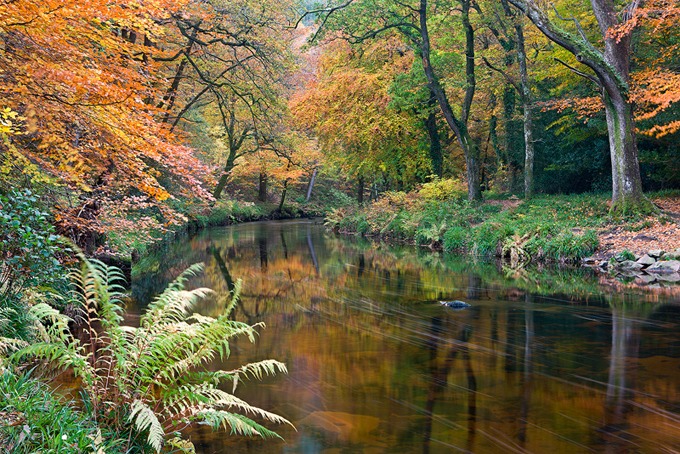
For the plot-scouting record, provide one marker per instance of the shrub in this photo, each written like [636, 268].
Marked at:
[456, 239]
[148, 382]
[28, 258]
[29, 246]
[438, 189]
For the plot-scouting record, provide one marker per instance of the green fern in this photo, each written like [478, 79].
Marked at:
[143, 382]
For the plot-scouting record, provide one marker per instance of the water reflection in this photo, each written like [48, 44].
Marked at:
[541, 361]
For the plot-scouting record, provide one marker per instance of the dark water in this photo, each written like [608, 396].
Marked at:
[542, 362]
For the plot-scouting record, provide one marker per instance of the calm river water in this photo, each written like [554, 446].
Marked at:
[542, 362]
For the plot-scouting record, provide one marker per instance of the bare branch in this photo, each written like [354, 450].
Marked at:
[580, 73]
[507, 77]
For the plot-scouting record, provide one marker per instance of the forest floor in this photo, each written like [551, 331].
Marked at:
[655, 232]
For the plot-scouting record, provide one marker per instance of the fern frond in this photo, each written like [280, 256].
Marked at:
[238, 424]
[222, 399]
[260, 369]
[9, 345]
[59, 356]
[144, 418]
[235, 296]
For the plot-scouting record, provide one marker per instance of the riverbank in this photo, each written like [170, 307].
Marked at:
[124, 249]
[554, 228]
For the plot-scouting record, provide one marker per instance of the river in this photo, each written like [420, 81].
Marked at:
[542, 361]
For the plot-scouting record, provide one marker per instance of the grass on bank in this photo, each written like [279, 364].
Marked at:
[35, 420]
[546, 228]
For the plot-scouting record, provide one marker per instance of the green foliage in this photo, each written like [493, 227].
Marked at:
[624, 255]
[28, 249]
[29, 246]
[551, 228]
[456, 239]
[230, 212]
[35, 421]
[148, 382]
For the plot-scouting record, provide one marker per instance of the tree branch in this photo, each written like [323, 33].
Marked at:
[580, 73]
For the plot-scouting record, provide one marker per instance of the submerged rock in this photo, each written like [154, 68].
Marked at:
[455, 304]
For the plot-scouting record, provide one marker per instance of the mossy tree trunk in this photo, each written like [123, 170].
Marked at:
[611, 68]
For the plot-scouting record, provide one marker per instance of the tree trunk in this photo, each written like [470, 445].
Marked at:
[225, 177]
[262, 190]
[528, 151]
[360, 191]
[472, 167]
[612, 69]
[436, 157]
[311, 184]
[283, 196]
[626, 180]
[457, 126]
[171, 94]
[526, 109]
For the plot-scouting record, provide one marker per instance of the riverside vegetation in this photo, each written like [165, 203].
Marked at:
[140, 387]
[556, 228]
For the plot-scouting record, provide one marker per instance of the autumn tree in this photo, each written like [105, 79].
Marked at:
[348, 109]
[611, 68]
[361, 21]
[83, 77]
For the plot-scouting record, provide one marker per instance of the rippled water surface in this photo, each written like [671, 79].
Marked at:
[543, 362]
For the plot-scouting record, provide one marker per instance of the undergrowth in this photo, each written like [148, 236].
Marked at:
[33, 420]
[548, 228]
[146, 384]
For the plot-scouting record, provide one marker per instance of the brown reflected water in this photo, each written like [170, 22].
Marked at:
[543, 362]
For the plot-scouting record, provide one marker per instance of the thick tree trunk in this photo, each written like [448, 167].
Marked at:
[472, 171]
[626, 181]
[436, 157]
[262, 189]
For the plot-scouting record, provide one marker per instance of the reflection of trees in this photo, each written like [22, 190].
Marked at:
[358, 325]
[526, 381]
[440, 345]
[624, 350]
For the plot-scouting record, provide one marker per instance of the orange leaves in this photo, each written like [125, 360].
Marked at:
[82, 73]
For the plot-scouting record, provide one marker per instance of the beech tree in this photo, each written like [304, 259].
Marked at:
[612, 74]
